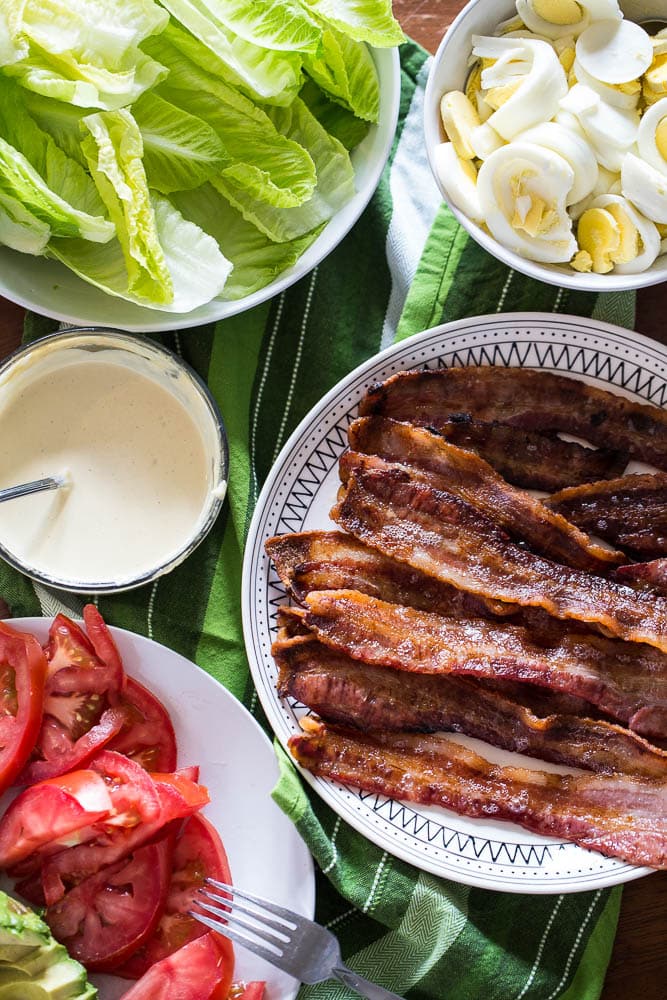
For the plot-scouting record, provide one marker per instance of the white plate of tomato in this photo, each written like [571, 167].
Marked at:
[119, 715]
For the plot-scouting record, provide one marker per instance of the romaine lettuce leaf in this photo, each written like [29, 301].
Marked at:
[263, 162]
[20, 229]
[257, 260]
[13, 43]
[285, 26]
[61, 121]
[346, 71]
[180, 150]
[263, 74]
[197, 269]
[335, 179]
[337, 120]
[114, 152]
[364, 20]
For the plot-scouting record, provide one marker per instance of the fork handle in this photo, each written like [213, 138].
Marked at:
[363, 986]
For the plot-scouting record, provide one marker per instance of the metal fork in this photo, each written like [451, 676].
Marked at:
[301, 948]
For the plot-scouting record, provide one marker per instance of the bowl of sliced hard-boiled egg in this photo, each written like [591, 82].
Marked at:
[546, 131]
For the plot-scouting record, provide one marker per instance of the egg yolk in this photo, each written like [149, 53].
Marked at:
[558, 11]
[598, 233]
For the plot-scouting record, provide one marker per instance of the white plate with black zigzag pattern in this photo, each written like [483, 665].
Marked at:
[298, 495]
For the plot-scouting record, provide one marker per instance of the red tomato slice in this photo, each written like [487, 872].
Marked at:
[79, 717]
[103, 641]
[104, 918]
[52, 813]
[134, 825]
[200, 970]
[22, 678]
[147, 735]
[198, 854]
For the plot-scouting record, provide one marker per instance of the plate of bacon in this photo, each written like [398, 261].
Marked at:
[455, 602]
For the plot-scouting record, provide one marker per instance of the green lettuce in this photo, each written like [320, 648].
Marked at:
[20, 229]
[256, 259]
[335, 179]
[346, 71]
[285, 26]
[197, 269]
[13, 43]
[364, 20]
[266, 164]
[180, 150]
[336, 119]
[114, 152]
[263, 74]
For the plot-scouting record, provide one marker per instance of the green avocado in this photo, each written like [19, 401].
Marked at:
[33, 966]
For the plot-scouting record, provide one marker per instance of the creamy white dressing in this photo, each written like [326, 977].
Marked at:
[140, 476]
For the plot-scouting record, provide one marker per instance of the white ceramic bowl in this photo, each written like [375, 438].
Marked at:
[51, 289]
[160, 366]
[448, 72]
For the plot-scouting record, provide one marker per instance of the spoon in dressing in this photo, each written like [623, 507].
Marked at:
[36, 486]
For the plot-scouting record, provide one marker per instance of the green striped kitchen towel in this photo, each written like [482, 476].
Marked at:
[404, 267]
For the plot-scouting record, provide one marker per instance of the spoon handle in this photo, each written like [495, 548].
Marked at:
[36, 486]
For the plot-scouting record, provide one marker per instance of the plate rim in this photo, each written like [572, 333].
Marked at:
[27, 623]
[269, 701]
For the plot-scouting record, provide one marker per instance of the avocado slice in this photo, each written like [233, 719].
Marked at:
[33, 966]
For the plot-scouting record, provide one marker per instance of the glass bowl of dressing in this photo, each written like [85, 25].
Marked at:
[142, 445]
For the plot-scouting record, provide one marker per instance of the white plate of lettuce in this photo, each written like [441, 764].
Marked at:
[169, 164]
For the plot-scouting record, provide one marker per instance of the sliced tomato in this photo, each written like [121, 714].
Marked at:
[79, 714]
[22, 678]
[147, 736]
[102, 640]
[105, 917]
[137, 820]
[199, 854]
[200, 970]
[54, 812]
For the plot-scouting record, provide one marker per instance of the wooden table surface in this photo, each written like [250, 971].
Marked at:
[638, 968]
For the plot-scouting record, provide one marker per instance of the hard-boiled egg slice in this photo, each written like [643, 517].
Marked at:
[485, 140]
[553, 18]
[640, 239]
[522, 190]
[611, 131]
[459, 118]
[614, 51]
[621, 95]
[607, 183]
[652, 135]
[536, 99]
[565, 50]
[598, 235]
[459, 181]
[473, 91]
[572, 148]
[654, 84]
[645, 187]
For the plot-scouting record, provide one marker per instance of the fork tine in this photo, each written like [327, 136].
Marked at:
[258, 925]
[278, 911]
[258, 949]
[236, 906]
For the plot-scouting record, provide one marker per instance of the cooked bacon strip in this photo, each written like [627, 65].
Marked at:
[630, 511]
[448, 539]
[370, 698]
[333, 560]
[529, 459]
[625, 816]
[631, 688]
[470, 477]
[648, 575]
[527, 398]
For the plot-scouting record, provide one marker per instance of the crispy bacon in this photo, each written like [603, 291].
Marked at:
[631, 688]
[448, 539]
[529, 459]
[341, 689]
[625, 816]
[648, 575]
[630, 511]
[527, 398]
[470, 477]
